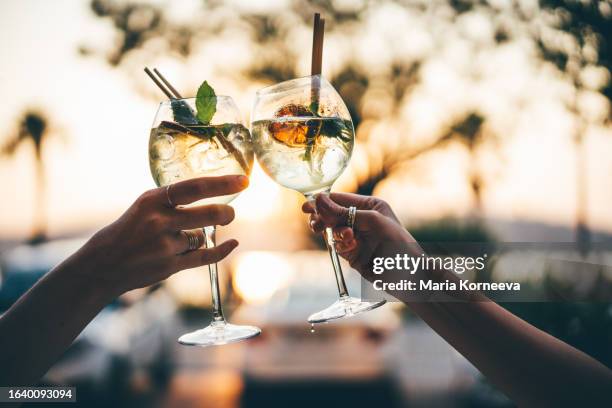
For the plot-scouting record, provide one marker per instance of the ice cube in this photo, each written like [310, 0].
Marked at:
[164, 147]
[327, 162]
[205, 157]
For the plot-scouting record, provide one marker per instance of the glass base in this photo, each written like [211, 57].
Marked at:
[344, 307]
[218, 333]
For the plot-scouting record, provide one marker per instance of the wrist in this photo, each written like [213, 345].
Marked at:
[86, 275]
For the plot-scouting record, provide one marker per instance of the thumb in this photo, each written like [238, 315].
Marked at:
[331, 213]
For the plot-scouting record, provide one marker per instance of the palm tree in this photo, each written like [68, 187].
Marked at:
[33, 128]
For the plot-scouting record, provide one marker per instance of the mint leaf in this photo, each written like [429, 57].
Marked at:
[206, 103]
[336, 128]
[314, 108]
[183, 113]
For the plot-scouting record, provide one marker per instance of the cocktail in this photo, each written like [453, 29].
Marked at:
[198, 137]
[303, 138]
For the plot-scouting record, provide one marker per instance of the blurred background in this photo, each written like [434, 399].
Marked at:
[479, 121]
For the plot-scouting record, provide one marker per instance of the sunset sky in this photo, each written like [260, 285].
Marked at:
[96, 159]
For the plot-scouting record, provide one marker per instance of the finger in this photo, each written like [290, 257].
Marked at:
[366, 220]
[330, 212]
[332, 215]
[315, 223]
[189, 191]
[183, 240]
[206, 256]
[366, 206]
[361, 202]
[309, 207]
[201, 216]
[343, 234]
[364, 203]
[346, 247]
[317, 226]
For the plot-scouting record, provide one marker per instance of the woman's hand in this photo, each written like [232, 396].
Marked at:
[532, 367]
[146, 245]
[376, 230]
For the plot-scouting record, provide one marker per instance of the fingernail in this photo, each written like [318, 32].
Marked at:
[243, 180]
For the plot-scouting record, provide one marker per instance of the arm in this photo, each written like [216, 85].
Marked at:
[43, 322]
[142, 247]
[530, 366]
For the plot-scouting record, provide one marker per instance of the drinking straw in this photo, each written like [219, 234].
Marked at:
[315, 82]
[159, 85]
[317, 44]
[172, 89]
[317, 61]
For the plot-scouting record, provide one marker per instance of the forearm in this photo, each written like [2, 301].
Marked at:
[42, 324]
[532, 367]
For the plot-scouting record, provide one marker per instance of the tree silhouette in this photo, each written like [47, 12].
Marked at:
[546, 24]
[576, 38]
[469, 132]
[33, 128]
[589, 23]
[466, 130]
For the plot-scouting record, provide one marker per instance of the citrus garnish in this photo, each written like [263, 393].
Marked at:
[293, 133]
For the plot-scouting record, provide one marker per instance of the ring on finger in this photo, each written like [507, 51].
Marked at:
[168, 199]
[350, 219]
[195, 239]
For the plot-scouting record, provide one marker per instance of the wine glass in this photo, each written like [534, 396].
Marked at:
[180, 148]
[303, 138]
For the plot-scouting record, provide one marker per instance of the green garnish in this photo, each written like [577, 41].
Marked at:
[206, 103]
[197, 124]
[335, 128]
[314, 107]
[314, 127]
[183, 113]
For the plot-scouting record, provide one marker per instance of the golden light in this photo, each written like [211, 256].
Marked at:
[262, 199]
[191, 287]
[258, 275]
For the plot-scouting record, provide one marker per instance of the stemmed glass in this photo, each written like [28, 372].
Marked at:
[303, 138]
[181, 148]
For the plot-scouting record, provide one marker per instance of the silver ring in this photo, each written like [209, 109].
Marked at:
[350, 219]
[194, 240]
[170, 203]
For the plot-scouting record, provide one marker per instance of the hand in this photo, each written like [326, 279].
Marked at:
[376, 230]
[146, 245]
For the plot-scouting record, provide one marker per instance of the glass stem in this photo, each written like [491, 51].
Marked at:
[331, 247]
[328, 236]
[214, 278]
